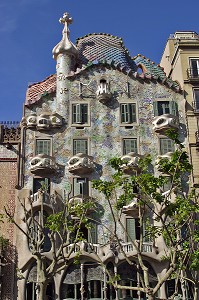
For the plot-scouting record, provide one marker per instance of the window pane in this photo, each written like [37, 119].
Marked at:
[43, 147]
[129, 145]
[80, 113]
[166, 145]
[130, 229]
[163, 108]
[128, 112]
[196, 98]
[80, 146]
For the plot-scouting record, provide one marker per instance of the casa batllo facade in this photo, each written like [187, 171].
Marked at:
[100, 103]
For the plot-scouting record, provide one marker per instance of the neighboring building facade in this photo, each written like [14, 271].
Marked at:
[10, 136]
[180, 60]
[100, 103]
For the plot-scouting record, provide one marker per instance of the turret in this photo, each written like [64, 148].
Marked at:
[66, 54]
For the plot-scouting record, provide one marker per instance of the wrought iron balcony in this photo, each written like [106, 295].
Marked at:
[81, 164]
[164, 122]
[103, 93]
[43, 165]
[193, 74]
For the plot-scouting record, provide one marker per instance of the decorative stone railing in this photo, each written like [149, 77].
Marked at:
[130, 165]
[40, 197]
[129, 247]
[43, 165]
[164, 122]
[83, 247]
[81, 164]
[45, 121]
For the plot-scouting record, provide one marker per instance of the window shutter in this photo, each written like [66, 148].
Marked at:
[155, 108]
[173, 107]
[132, 112]
[130, 228]
[78, 113]
[84, 113]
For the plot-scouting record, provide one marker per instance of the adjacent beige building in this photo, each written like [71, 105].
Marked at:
[180, 60]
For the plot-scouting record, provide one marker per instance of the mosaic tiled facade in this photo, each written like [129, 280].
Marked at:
[101, 103]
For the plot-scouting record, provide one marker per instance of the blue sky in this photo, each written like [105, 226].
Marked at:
[29, 29]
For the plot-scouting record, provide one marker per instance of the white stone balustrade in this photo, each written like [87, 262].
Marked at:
[81, 164]
[164, 122]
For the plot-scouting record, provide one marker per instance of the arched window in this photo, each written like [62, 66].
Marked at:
[31, 285]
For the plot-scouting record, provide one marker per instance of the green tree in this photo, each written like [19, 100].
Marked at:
[174, 212]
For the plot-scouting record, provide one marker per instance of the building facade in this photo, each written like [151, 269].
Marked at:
[100, 103]
[10, 135]
[180, 62]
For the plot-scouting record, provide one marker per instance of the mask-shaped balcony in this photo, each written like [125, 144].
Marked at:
[132, 209]
[103, 93]
[164, 122]
[160, 157]
[32, 121]
[130, 165]
[81, 164]
[56, 120]
[43, 165]
[43, 122]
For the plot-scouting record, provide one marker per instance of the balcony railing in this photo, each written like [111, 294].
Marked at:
[128, 247]
[193, 74]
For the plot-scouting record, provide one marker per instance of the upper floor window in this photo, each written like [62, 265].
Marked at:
[80, 186]
[129, 145]
[196, 99]
[194, 64]
[43, 146]
[128, 113]
[166, 145]
[80, 113]
[80, 146]
[165, 107]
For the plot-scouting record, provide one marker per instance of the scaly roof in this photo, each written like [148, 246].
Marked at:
[96, 49]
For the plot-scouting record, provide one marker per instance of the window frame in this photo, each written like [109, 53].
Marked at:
[131, 122]
[80, 139]
[195, 102]
[49, 146]
[172, 105]
[160, 148]
[129, 138]
[83, 180]
[192, 69]
[80, 123]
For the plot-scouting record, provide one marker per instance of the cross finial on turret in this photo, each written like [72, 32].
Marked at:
[66, 19]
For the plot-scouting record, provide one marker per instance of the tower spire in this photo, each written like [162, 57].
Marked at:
[65, 45]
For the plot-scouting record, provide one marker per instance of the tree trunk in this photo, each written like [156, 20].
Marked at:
[41, 292]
